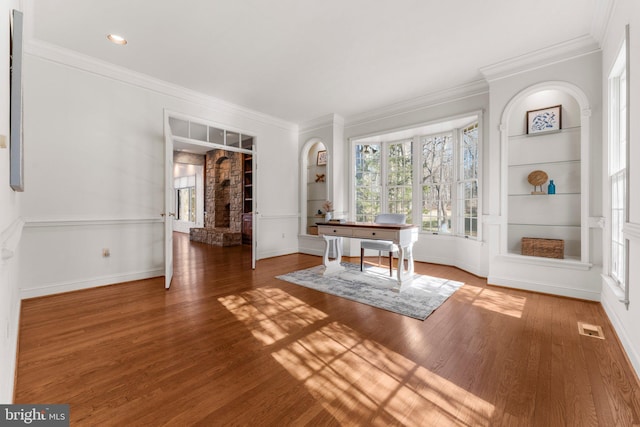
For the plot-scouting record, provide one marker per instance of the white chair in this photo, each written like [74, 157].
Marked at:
[382, 245]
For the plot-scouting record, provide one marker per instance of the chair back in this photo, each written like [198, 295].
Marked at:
[390, 218]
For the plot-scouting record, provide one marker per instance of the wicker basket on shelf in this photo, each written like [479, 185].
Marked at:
[548, 248]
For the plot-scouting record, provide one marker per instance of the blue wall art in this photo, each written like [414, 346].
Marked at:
[544, 120]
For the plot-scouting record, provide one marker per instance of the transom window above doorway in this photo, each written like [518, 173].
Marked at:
[207, 133]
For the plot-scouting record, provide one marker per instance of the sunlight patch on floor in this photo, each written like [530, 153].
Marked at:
[354, 378]
[351, 376]
[271, 313]
[496, 301]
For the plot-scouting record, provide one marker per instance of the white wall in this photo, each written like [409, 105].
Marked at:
[95, 172]
[626, 320]
[10, 227]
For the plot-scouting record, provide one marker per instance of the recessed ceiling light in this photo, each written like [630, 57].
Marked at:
[117, 39]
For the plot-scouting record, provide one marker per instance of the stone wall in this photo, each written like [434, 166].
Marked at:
[223, 190]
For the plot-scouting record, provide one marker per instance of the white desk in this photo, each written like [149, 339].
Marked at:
[403, 235]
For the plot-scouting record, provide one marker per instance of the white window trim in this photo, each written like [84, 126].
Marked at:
[620, 66]
[358, 140]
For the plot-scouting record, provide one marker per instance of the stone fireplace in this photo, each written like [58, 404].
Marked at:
[222, 200]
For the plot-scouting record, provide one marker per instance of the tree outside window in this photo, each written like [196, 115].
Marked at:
[368, 182]
[432, 178]
[437, 177]
[400, 178]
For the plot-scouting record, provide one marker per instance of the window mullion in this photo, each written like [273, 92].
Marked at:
[416, 202]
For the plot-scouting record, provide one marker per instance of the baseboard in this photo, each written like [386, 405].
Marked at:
[312, 251]
[275, 253]
[57, 288]
[618, 326]
[545, 288]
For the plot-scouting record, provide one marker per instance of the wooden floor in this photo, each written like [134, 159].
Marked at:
[230, 346]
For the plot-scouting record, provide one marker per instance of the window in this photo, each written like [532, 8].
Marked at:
[185, 188]
[618, 167]
[437, 178]
[428, 173]
[368, 183]
[399, 178]
[468, 182]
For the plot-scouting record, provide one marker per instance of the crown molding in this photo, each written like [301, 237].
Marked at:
[69, 58]
[601, 17]
[429, 100]
[321, 122]
[560, 52]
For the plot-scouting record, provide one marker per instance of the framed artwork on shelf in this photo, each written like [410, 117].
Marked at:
[544, 120]
[322, 158]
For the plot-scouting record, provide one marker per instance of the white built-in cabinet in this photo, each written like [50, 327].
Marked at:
[559, 154]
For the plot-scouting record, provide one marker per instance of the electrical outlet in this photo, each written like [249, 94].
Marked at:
[106, 253]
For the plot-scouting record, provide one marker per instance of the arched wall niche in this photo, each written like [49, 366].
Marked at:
[563, 155]
[314, 183]
[223, 193]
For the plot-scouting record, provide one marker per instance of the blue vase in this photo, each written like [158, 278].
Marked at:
[551, 189]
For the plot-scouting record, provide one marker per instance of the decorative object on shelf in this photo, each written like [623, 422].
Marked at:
[551, 188]
[328, 210]
[544, 120]
[322, 158]
[319, 177]
[548, 248]
[537, 178]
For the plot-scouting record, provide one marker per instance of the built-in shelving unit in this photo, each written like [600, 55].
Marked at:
[247, 198]
[247, 193]
[549, 216]
[316, 186]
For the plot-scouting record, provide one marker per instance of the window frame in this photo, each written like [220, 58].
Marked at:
[192, 197]
[618, 174]
[415, 133]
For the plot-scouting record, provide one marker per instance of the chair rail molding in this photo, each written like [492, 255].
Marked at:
[88, 222]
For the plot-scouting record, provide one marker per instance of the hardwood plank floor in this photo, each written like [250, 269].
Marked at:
[227, 345]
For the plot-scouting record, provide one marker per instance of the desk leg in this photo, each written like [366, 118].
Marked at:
[405, 276]
[332, 265]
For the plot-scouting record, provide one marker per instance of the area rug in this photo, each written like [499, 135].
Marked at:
[418, 298]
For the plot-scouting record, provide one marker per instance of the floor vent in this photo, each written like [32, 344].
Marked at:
[590, 330]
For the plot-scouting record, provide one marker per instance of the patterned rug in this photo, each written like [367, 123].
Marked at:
[418, 299]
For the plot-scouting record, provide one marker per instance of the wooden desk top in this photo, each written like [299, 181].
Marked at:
[368, 225]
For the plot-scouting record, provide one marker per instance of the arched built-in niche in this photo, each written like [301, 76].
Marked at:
[563, 155]
[222, 200]
[314, 184]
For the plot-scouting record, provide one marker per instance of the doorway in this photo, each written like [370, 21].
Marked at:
[222, 199]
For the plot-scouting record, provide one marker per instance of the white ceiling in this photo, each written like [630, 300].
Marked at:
[302, 59]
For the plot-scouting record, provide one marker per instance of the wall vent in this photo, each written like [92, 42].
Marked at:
[590, 330]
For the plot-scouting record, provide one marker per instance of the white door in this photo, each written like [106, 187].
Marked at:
[168, 204]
